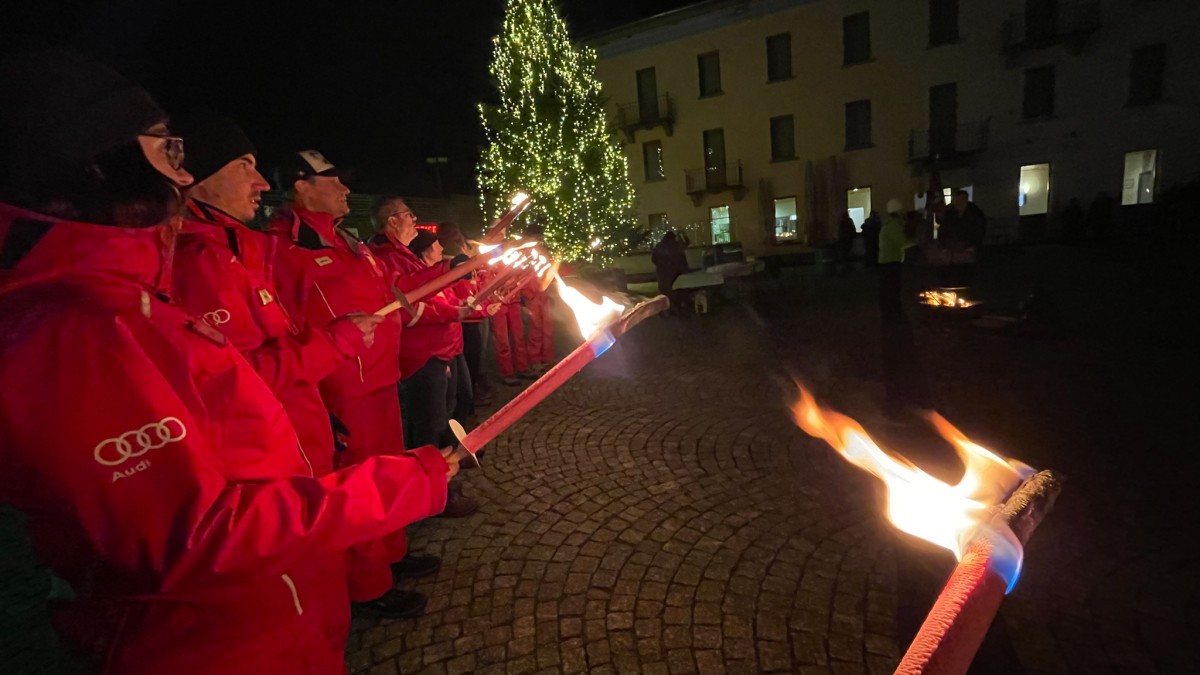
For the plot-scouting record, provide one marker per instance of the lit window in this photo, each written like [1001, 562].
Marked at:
[718, 218]
[1034, 196]
[785, 218]
[1141, 170]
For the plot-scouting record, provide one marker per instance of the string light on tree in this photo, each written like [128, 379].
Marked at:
[548, 135]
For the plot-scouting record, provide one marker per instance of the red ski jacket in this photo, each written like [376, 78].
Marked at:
[222, 273]
[430, 330]
[323, 273]
[160, 476]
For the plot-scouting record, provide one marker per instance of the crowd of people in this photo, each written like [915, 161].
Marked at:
[216, 441]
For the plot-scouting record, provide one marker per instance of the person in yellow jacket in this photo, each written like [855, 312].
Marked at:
[893, 242]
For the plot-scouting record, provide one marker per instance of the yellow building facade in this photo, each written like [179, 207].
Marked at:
[761, 122]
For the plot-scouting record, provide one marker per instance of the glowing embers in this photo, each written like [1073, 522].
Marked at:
[946, 297]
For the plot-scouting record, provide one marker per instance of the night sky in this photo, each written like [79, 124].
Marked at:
[376, 85]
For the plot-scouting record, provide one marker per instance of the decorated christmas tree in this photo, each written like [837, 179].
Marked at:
[548, 136]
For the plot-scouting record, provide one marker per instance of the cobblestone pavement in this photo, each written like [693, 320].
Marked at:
[660, 514]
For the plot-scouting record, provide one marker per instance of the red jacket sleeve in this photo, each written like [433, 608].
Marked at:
[195, 494]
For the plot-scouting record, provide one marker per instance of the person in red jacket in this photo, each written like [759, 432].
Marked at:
[540, 336]
[322, 272]
[432, 334]
[176, 502]
[508, 339]
[222, 273]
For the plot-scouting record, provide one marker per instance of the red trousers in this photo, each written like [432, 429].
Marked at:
[541, 329]
[507, 324]
[375, 429]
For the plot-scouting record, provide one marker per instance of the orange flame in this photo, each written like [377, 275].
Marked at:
[950, 516]
[591, 317]
[512, 255]
[945, 298]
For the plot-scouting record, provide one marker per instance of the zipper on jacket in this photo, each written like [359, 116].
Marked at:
[304, 455]
[295, 596]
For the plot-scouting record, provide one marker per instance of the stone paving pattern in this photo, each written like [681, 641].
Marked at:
[659, 514]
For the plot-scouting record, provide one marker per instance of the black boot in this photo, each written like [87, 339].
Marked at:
[394, 604]
[416, 566]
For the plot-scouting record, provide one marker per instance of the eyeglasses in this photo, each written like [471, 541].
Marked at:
[172, 149]
[405, 212]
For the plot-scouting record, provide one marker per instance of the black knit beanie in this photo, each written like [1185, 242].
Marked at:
[60, 110]
[422, 242]
[213, 145]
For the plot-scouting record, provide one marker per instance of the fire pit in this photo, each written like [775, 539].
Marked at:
[951, 299]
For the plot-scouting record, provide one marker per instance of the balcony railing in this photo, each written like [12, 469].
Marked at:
[948, 144]
[713, 180]
[1071, 22]
[659, 112]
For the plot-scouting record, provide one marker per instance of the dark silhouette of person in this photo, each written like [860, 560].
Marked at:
[870, 233]
[670, 261]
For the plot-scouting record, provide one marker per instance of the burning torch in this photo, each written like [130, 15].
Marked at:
[491, 241]
[985, 519]
[601, 324]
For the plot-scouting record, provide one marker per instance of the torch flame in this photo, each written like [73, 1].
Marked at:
[519, 199]
[591, 317]
[512, 255]
[951, 516]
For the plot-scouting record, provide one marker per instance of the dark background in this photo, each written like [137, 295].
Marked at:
[375, 85]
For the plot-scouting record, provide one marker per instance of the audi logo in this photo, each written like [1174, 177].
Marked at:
[114, 451]
[217, 317]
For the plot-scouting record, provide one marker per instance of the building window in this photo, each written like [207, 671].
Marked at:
[779, 57]
[943, 22]
[858, 205]
[1034, 197]
[1141, 171]
[710, 73]
[785, 219]
[856, 38]
[718, 219]
[652, 161]
[783, 143]
[1146, 70]
[858, 125]
[1039, 93]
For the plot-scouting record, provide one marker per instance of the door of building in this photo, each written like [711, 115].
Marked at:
[647, 88]
[714, 158]
[943, 119]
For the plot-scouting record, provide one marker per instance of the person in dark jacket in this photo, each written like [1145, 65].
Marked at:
[962, 231]
[870, 233]
[845, 242]
[670, 261]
